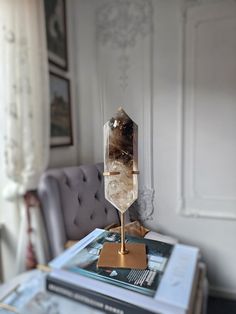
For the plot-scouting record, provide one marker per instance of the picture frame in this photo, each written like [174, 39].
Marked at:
[60, 111]
[56, 32]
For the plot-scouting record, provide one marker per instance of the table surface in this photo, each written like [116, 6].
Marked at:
[27, 294]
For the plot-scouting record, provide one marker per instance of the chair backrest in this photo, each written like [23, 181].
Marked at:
[73, 204]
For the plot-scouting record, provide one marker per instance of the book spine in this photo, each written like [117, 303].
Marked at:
[92, 299]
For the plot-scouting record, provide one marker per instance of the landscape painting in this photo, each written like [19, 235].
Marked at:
[61, 126]
[55, 15]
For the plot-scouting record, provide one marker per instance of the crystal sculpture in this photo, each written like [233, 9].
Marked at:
[121, 160]
[121, 188]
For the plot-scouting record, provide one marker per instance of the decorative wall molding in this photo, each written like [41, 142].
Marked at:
[190, 3]
[124, 65]
[123, 41]
[142, 209]
[119, 24]
[207, 185]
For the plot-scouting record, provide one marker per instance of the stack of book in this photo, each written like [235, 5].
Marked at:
[168, 285]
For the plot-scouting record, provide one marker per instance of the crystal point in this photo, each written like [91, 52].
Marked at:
[121, 156]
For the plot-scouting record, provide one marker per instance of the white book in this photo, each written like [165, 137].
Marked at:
[173, 294]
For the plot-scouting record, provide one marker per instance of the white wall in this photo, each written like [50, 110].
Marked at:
[155, 97]
[214, 236]
[68, 155]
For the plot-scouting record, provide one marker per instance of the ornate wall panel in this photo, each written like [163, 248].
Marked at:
[124, 75]
[209, 113]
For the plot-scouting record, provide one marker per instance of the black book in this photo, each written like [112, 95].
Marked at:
[92, 298]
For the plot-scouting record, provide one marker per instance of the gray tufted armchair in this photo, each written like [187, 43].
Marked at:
[73, 204]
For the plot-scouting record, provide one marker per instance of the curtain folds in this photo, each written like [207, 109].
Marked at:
[24, 93]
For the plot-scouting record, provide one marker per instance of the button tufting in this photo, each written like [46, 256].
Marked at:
[99, 176]
[91, 217]
[84, 179]
[105, 210]
[66, 179]
[67, 182]
[96, 196]
[79, 200]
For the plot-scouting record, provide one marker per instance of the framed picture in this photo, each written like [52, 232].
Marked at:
[55, 15]
[60, 104]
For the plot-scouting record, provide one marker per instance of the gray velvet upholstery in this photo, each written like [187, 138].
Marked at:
[73, 204]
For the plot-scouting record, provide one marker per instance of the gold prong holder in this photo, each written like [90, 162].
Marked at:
[123, 255]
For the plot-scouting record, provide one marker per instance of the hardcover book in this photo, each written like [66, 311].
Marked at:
[157, 289]
[142, 281]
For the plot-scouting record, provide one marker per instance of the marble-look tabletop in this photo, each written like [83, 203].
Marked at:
[27, 295]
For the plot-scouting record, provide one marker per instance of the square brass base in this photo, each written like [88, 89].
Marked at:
[110, 257]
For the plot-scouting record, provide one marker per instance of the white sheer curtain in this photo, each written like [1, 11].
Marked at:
[24, 95]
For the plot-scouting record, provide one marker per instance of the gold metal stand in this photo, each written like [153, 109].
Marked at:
[123, 255]
[122, 250]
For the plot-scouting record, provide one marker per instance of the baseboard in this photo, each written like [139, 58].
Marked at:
[222, 293]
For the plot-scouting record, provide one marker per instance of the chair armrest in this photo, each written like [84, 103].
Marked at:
[48, 193]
